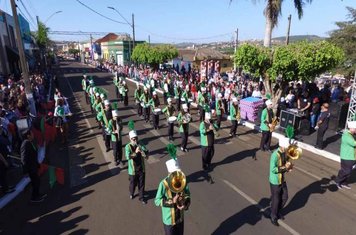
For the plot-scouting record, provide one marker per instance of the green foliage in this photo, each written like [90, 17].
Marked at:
[153, 55]
[73, 51]
[283, 63]
[253, 59]
[290, 132]
[131, 125]
[344, 37]
[41, 36]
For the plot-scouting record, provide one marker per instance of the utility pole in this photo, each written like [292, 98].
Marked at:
[149, 39]
[288, 30]
[91, 48]
[133, 31]
[236, 44]
[23, 61]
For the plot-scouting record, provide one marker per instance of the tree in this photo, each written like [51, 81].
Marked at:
[273, 11]
[153, 55]
[298, 61]
[73, 51]
[41, 36]
[345, 38]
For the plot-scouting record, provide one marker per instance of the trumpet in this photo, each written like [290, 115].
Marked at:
[211, 127]
[176, 183]
[274, 124]
[238, 114]
[142, 149]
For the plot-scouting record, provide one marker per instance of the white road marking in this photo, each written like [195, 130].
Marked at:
[253, 202]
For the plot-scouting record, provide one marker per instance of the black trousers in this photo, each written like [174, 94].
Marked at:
[170, 130]
[3, 174]
[218, 121]
[119, 96]
[207, 156]
[319, 137]
[265, 140]
[86, 97]
[226, 106]
[155, 120]
[107, 141]
[165, 97]
[35, 182]
[279, 198]
[184, 136]
[201, 113]
[137, 180]
[117, 91]
[139, 109]
[233, 127]
[126, 100]
[147, 112]
[178, 104]
[177, 229]
[345, 171]
[117, 150]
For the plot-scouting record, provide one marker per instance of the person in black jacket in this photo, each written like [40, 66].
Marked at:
[31, 165]
[322, 125]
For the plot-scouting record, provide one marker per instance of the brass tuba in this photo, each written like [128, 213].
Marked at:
[176, 183]
[293, 152]
[274, 124]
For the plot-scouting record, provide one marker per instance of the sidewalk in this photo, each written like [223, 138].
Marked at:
[333, 140]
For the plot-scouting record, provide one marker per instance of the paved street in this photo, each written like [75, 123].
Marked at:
[95, 199]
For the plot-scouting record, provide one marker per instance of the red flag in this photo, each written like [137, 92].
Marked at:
[60, 175]
[43, 169]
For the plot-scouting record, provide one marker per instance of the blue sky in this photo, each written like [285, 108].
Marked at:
[184, 20]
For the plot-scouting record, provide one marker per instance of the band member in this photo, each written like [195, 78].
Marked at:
[178, 94]
[98, 108]
[202, 103]
[186, 96]
[85, 84]
[279, 165]
[107, 114]
[135, 155]
[116, 83]
[145, 98]
[266, 124]
[115, 130]
[219, 107]
[234, 112]
[61, 119]
[207, 138]
[170, 111]
[137, 95]
[347, 155]
[166, 91]
[172, 211]
[322, 125]
[124, 92]
[183, 119]
[155, 103]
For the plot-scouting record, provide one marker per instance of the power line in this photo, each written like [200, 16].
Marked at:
[32, 7]
[33, 21]
[108, 18]
[82, 33]
[23, 15]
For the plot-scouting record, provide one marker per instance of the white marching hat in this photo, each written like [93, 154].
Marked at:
[219, 95]
[187, 87]
[102, 95]
[203, 88]
[284, 142]
[91, 82]
[115, 113]
[207, 115]
[154, 93]
[106, 102]
[169, 100]
[268, 102]
[172, 165]
[97, 94]
[351, 124]
[234, 99]
[283, 99]
[132, 134]
[137, 84]
[184, 106]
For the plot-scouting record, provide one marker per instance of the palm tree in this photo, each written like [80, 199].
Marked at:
[272, 11]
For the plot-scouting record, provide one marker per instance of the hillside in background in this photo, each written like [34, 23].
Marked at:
[296, 38]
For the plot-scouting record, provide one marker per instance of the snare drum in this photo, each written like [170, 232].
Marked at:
[172, 119]
[157, 111]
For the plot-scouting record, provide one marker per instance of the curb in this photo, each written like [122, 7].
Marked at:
[278, 136]
[19, 188]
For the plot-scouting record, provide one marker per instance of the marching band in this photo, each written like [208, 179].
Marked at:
[173, 197]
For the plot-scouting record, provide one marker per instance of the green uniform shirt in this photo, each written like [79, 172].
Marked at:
[182, 126]
[171, 215]
[347, 149]
[201, 99]
[186, 95]
[114, 137]
[233, 112]
[137, 94]
[218, 107]
[84, 84]
[264, 120]
[204, 134]
[169, 110]
[130, 156]
[276, 176]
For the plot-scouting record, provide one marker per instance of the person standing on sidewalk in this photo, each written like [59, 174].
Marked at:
[347, 155]
[322, 125]
[4, 165]
[31, 165]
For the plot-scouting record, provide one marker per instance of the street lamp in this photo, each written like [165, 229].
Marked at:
[57, 12]
[131, 24]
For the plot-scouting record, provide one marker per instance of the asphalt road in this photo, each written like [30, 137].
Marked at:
[95, 199]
